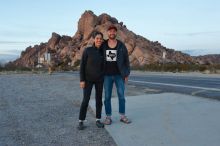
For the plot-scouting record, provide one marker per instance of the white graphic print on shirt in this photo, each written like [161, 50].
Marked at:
[111, 55]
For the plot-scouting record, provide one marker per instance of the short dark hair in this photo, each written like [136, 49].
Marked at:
[95, 33]
[112, 26]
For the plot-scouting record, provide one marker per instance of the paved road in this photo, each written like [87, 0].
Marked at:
[195, 84]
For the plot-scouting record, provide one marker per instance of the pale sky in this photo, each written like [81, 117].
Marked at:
[192, 25]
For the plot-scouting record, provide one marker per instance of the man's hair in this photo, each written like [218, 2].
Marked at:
[112, 26]
[95, 33]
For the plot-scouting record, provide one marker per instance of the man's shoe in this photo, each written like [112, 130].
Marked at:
[108, 121]
[99, 124]
[81, 126]
[125, 120]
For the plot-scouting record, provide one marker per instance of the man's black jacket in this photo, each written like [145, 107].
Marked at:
[122, 58]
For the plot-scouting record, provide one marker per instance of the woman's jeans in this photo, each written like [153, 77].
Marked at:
[120, 86]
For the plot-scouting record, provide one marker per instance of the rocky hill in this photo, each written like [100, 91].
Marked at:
[208, 59]
[67, 50]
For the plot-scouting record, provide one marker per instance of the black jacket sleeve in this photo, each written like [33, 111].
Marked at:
[127, 62]
[83, 65]
[103, 64]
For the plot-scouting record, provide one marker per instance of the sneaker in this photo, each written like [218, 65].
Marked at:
[99, 124]
[81, 126]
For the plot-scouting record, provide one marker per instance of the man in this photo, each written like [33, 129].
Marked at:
[117, 70]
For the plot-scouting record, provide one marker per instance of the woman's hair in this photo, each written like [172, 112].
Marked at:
[97, 33]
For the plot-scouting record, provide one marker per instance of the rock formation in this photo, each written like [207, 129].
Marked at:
[68, 50]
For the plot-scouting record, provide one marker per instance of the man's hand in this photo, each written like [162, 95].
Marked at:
[82, 84]
[126, 79]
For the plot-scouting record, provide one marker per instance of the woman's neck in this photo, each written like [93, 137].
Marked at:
[97, 46]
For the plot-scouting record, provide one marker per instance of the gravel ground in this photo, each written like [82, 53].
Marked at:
[41, 109]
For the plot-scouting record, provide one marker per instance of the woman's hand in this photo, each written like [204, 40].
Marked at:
[126, 79]
[82, 84]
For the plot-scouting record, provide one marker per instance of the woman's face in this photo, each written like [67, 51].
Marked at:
[98, 40]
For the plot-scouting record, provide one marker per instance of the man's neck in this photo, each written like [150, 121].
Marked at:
[112, 43]
[112, 40]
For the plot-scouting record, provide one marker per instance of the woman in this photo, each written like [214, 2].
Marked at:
[91, 73]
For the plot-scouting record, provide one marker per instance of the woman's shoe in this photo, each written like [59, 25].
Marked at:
[99, 124]
[81, 126]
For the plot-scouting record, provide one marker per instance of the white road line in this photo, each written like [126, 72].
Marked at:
[176, 85]
[196, 92]
[180, 77]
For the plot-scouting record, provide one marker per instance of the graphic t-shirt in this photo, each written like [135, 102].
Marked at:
[111, 55]
[111, 61]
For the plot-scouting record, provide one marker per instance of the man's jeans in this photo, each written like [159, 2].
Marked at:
[108, 85]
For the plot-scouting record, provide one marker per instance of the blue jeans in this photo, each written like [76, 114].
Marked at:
[108, 85]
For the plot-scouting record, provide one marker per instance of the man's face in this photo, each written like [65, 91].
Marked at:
[112, 34]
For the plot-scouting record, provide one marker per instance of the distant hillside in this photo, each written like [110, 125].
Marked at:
[4, 58]
[208, 59]
[201, 52]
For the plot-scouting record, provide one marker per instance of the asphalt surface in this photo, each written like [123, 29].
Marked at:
[191, 84]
